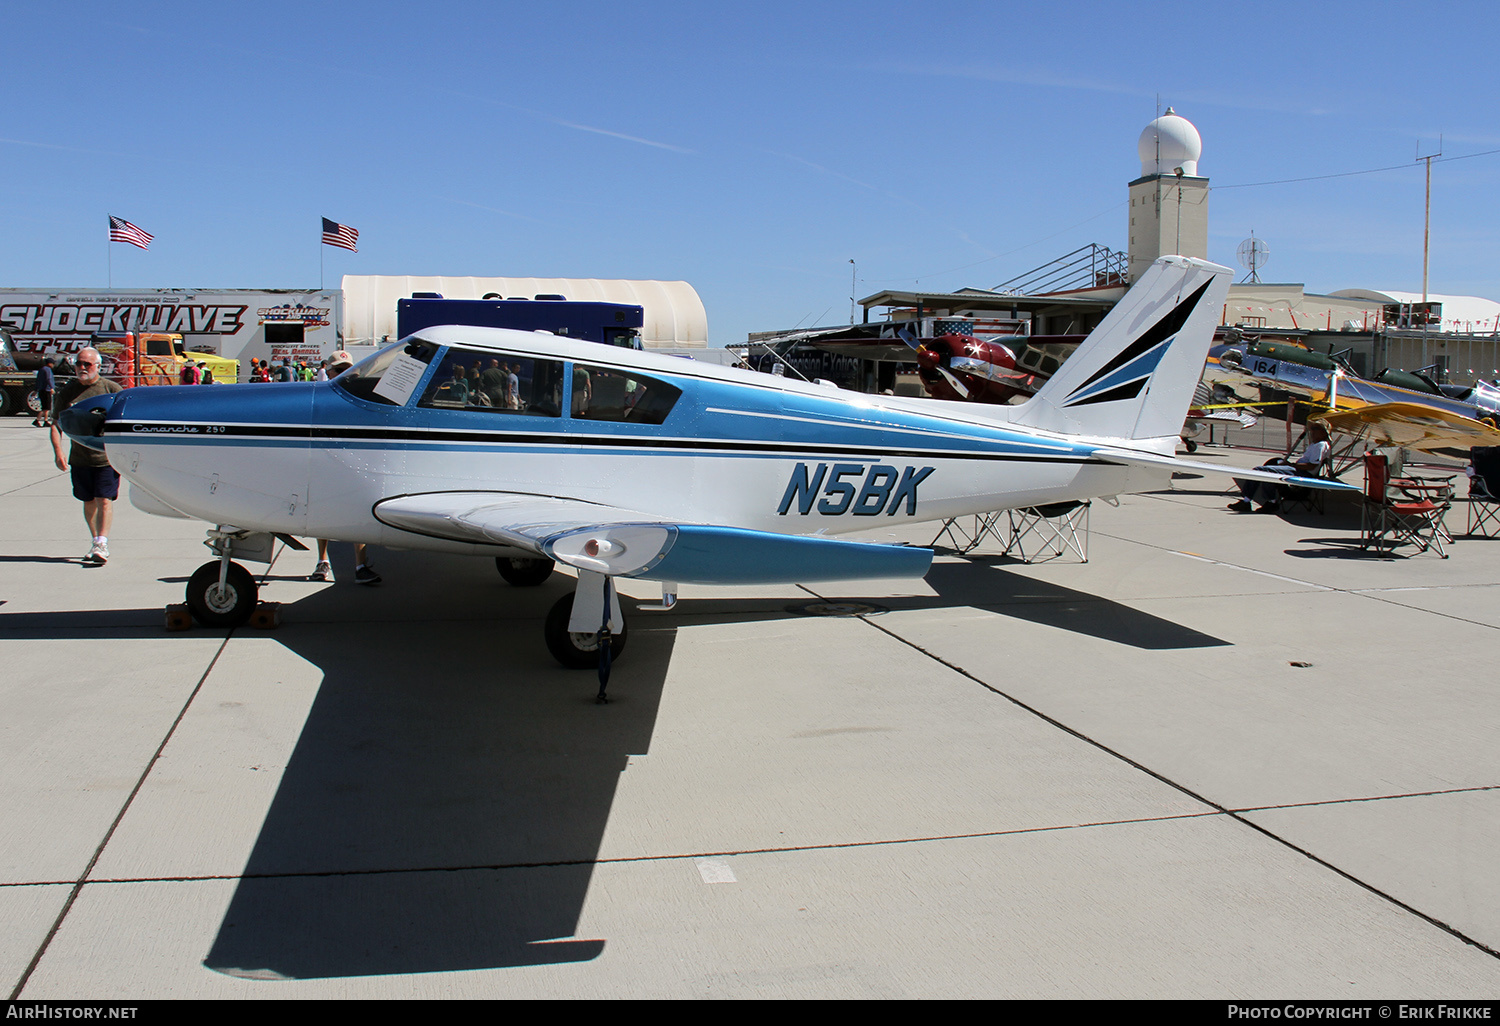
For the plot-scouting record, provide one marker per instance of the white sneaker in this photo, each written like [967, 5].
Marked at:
[323, 571]
[98, 553]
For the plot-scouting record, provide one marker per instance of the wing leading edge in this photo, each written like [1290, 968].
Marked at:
[624, 543]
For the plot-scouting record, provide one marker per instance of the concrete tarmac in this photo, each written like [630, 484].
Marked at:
[1229, 757]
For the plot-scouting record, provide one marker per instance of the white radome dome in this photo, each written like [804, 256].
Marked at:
[1168, 143]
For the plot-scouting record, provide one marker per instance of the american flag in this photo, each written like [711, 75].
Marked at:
[341, 235]
[121, 230]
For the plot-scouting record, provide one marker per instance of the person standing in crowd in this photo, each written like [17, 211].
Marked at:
[95, 483]
[493, 383]
[364, 573]
[45, 383]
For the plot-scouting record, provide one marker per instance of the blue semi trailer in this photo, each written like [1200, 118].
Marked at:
[613, 324]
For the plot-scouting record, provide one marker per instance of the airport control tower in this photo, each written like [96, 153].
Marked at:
[1169, 202]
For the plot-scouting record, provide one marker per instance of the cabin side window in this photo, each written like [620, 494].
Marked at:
[604, 393]
[468, 379]
[390, 375]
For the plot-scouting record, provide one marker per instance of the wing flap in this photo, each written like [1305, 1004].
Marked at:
[625, 543]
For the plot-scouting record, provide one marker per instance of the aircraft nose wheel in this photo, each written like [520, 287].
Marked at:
[221, 605]
[576, 651]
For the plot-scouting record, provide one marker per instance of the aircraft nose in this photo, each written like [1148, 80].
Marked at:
[84, 422]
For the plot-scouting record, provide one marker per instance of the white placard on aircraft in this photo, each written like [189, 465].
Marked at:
[400, 378]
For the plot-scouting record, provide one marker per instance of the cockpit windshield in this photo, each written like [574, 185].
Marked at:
[390, 375]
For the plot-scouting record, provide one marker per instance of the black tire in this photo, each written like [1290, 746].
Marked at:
[230, 608]
[576, 651]
[522, 572]
[7, 402]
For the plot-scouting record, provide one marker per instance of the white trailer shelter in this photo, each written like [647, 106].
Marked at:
[675, 317]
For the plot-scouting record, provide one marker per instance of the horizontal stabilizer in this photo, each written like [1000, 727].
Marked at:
[1140, 459]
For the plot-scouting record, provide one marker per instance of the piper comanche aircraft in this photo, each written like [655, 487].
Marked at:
[628, 464]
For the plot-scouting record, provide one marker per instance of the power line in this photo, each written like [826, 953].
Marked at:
[997, 256]
[1348, 174]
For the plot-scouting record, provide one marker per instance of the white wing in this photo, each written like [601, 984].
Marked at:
[625, 543]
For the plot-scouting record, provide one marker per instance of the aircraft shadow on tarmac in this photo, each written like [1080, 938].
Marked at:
[448, 794]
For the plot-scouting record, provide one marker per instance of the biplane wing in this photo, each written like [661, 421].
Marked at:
[1410, 426]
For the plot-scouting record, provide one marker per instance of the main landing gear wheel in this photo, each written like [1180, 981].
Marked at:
[576, 651]
[214, 605]
[522, 572]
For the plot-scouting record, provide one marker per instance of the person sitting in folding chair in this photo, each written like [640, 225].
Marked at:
[1484, 491]
[1267, 496]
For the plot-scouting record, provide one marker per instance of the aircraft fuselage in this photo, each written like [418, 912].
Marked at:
[735, 448]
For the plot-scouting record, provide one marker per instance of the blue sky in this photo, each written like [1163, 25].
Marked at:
[751, 150]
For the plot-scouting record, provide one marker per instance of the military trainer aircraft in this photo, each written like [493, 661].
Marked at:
[1401, 408]
[630, 464]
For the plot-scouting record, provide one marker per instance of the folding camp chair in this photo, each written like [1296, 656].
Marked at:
[1311, 498]
[1483, 518]
[1386, 523]
[1049, 532]
[965, 534]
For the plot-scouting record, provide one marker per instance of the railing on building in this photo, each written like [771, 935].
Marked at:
[1090, 266]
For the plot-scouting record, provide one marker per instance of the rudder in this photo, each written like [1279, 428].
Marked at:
[1133, 377]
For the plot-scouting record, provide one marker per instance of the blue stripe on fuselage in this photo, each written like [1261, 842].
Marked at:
[709, 411]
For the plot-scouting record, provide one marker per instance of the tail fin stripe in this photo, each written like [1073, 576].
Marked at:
[1159, 332]
[1137, 371]
[1127, 391]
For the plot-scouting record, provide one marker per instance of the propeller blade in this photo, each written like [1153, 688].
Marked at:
[952, 379]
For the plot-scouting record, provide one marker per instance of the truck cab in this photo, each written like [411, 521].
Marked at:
[155, 358]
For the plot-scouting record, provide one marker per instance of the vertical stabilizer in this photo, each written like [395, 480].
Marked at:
[1133, 377]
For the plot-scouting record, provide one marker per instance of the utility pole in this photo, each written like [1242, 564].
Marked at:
[1178, 250]
[1427, 228]
[853, 289]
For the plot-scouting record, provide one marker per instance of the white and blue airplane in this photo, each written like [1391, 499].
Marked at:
[627, 464]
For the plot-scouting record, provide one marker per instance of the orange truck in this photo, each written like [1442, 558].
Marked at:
[155, 358]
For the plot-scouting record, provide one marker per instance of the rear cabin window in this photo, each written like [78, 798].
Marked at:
[467, 379]
[604, 393]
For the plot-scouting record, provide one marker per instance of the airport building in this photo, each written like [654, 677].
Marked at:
[1457, 338]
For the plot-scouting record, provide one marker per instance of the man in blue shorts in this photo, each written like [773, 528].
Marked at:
[45, 383]
[95, 483]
